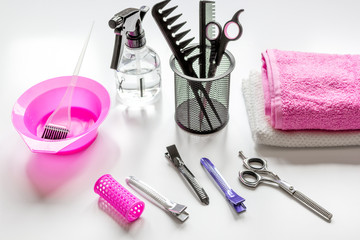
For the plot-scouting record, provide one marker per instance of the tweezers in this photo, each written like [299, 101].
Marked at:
[173, 155]
[234, 199]
[175, 209]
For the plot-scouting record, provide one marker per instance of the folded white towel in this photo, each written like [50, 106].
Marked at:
[263, 133]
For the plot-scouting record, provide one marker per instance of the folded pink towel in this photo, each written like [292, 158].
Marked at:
[311, 90]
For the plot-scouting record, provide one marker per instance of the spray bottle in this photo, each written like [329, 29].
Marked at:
[137, 67]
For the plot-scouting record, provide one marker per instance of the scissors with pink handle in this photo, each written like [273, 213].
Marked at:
[219, 38]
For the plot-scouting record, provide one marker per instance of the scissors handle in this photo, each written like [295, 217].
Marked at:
[234, 21]
[243, 176]
[256, 164]
[252, 179]
[213, 31]
[220, 37]
[227, 35]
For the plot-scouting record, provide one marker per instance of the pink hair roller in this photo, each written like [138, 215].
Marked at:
[117, 196]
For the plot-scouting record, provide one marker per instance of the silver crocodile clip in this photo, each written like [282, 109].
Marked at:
[174, 208]
[174, 156]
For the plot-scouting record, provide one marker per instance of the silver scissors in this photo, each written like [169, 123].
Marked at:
[252, 178]
[219, 38]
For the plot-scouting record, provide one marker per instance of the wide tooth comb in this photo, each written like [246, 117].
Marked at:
[179, 36]
[176, 28]
[193, 58]
[183, 44]
[162, 4]
[189, 50]
[173, 19]
[167, 12]
[165, 25]
[181, 54]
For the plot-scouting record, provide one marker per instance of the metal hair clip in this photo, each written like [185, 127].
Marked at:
[174, 208]
[174, 156]
[235, 200]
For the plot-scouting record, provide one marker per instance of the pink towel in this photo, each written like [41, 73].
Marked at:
[311, 90]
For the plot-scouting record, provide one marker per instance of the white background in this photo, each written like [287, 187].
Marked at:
[51, 197]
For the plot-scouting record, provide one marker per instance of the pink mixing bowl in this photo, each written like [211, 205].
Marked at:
[90, 106]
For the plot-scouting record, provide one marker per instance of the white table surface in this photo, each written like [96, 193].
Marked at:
[52, 197]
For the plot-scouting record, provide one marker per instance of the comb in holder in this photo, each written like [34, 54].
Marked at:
[172, 37]
[181, 52]
[206, 15]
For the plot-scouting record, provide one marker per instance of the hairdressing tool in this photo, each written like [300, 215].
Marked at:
[221, 38]
[119, 197]
[106, 207]
[137, 67]
[206, 15]
[127, 26]
[174, 156]
[58, 124]
[41, 99]
[174, 208]
[257, 166]
[234, 199]
[181, 52]
[169, 31]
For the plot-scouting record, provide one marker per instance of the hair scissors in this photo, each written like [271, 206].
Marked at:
[219, 38]
[252, 178]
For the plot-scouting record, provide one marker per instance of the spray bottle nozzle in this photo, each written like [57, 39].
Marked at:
[127, 22]
[128, 16]
[116, 22]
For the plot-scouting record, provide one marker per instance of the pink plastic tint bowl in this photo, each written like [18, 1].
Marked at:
[90, 106]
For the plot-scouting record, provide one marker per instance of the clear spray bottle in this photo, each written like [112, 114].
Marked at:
[137, 67]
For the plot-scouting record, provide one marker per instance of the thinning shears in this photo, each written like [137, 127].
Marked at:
[252, 178]
[219, 38]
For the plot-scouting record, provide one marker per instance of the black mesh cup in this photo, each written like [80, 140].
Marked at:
[202, 104]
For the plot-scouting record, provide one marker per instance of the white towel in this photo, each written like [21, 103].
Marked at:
[263, 133]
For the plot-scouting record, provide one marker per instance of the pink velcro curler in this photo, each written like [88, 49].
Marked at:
[117, 196]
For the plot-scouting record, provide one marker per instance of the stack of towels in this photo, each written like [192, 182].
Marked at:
[304, 99]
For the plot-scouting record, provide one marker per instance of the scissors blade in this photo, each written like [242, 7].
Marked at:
[306, 201]
[315, 207]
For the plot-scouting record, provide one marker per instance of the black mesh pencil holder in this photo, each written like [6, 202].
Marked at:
[202, 104]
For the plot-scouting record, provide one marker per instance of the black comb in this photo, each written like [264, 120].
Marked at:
[206, 15]
[181, 52]
[178, 48]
